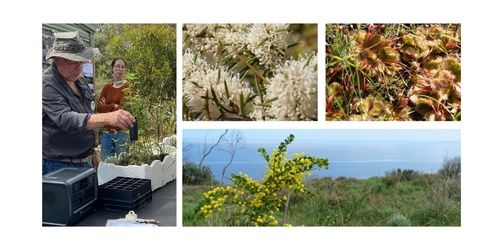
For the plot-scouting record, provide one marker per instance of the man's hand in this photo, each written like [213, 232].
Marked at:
[120, 118]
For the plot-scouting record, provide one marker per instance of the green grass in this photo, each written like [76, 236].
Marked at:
[191, 196]
[398, 199]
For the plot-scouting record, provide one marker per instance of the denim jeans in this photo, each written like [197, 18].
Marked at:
[53, 165]
[112, 144]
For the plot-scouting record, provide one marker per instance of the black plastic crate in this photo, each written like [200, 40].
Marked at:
[123, 206]
[125, 193]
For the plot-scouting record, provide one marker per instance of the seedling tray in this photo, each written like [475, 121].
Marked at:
[124, 194]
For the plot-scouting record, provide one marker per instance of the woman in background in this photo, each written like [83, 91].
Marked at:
[112, 97]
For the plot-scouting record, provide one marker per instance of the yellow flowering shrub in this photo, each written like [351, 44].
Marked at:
[255, 203]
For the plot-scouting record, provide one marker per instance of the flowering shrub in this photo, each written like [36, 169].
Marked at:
[248, 72]
[253, 203]
[393, 72]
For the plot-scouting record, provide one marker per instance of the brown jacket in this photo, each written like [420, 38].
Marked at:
[113, 96]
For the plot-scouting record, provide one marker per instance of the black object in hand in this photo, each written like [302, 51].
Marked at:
[134, 131]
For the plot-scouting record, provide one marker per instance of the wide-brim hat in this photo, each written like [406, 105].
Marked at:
[69, 45]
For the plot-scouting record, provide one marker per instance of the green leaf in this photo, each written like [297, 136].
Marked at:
[262, 42]
[231, 65]
[264, 153]
[221, 107]
[242, 104]
[203, 32]
[249, 99]
[226, 89]
[207, 99]
[244, 75]
[195, 57]
[196, 84]
[271, 100]
[218, 76]
[308, 60]
[243, 71]
[293, 44]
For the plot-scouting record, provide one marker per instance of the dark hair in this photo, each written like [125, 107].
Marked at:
[116, 59]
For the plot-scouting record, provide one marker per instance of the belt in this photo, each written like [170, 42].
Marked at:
[80, 160]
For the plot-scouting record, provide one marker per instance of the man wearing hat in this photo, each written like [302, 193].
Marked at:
[68, 116]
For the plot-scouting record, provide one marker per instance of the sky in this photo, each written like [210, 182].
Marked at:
[266, 136]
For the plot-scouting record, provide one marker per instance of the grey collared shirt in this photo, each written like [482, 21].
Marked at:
[64, 118]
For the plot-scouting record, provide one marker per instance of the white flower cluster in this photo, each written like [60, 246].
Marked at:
[285, 89]
[199, 78]
[265, 41]
[210, 38]
[294, 84]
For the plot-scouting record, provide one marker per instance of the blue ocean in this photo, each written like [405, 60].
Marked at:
[358, 159]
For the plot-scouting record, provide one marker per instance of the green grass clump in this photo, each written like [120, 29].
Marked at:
[398, 220]
[401, 198]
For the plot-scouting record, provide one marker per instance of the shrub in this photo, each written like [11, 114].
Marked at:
[141, 152]
[399, 175]
[325, 183]
[437, 207]
[378, 187]
[255, 203]
[194, 175]
[451, 168]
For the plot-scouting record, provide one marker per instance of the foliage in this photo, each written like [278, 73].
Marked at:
[253, 203]
[194, 175]
[451, 167]
[141, 152]
[192, 194]
[151, 55]
[156, 120]
[399, 175]
[413, 199]
[249, 72]
[399, 220]
[393, 72]
[149, 50]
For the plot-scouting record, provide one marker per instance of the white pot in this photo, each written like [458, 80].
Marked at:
[159, 172]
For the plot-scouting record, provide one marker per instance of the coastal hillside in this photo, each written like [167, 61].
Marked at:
[400, 198]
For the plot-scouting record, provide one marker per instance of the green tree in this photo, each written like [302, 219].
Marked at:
[150, 52]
